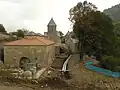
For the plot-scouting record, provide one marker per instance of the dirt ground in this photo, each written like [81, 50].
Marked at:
[80, 76]
[58, 62]
[14, 88]
[8, 83]
[46, 83]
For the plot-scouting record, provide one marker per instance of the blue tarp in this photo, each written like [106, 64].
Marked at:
[101, 70]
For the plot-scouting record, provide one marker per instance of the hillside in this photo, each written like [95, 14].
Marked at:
[113, 12]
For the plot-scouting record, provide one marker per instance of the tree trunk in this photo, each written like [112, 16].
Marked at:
[82, 52]
[81, 49]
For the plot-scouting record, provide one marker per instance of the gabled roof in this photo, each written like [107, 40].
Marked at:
[52, 22]
[30, 40]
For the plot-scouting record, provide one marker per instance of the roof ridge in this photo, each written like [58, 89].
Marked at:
[40, 40]
[33, 41]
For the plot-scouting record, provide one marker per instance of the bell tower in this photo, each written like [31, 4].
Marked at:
[52, 29]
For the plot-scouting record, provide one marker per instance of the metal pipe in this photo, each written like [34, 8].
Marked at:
[64, 68]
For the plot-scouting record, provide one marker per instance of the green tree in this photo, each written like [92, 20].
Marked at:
[26, 31]
[117, 38]
[2, 29]
[13, 33]
[93, 29]
[61, 33]
[117, 28]
[61, 37]
[20, 33]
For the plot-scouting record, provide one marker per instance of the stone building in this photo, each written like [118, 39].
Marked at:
[30, 49]
[52, 33]
[72, 43]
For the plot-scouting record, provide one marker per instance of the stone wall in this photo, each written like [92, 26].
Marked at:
[44, 54]
[50, 54]
[72, 45]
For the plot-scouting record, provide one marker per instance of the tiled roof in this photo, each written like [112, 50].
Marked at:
[31, 40]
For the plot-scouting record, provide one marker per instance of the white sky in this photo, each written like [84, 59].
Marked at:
[35, 14]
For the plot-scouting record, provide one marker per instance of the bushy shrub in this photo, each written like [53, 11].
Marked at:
[111, 63]
[117, 69]
[11, 38]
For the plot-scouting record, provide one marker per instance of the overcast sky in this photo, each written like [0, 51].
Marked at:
[35, 14]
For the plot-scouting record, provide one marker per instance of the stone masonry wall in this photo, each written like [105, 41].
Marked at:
[13, 54]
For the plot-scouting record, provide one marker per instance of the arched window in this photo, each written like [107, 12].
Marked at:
[23, 62]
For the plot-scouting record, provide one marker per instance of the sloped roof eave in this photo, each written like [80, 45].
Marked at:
[30, 45]
[35, 41]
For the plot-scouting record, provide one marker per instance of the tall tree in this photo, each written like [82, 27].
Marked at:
[2, 29]
[93, 28]
[117, 38]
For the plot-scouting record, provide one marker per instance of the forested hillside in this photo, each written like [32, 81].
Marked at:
[113, 12]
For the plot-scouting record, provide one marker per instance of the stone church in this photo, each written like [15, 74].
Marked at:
[52, 33]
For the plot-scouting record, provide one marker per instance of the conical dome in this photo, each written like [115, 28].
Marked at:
[52, 22]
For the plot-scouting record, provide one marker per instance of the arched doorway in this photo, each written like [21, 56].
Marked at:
[23, 62]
